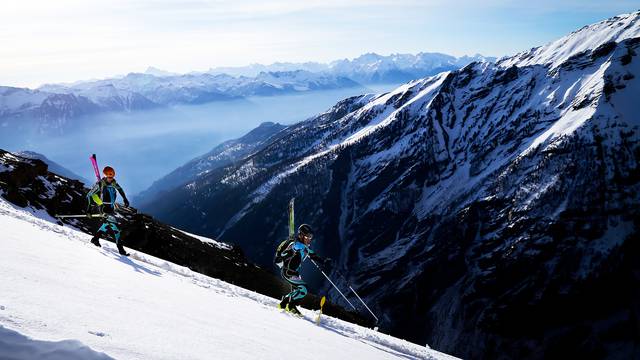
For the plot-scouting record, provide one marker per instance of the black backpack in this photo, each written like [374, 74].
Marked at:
[278, 260]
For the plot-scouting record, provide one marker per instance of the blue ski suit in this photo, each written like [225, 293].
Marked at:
[104, 195]
[293, 256]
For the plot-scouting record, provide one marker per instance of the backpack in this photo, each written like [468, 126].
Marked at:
[278, 260]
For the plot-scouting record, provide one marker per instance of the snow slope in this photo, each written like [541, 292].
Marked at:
[55, 286]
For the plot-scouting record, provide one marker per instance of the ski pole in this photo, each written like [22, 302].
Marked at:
[334, 285]
[363, 303]
[358, 296]
[80, 216]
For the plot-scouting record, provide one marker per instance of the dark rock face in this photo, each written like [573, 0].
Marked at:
[53, 166]
[27, 183]
[491, 212]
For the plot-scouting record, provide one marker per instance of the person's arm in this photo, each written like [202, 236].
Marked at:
[124, 197]
[314, 256]
[325, 262]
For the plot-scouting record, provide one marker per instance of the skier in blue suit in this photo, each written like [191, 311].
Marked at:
[289, 257]
[103, 194]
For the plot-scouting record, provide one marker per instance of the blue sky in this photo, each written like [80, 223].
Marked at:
[67, 40]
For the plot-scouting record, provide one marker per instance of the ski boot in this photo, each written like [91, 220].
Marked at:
[293, 310]
[283, 304]
[95, 241]
[122, 251]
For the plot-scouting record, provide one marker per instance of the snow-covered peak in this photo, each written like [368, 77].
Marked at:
[590, 37]
[19, 98]
[302, 80]
[158, 72]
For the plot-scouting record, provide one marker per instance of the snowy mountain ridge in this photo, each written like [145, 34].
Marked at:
[53, 108]
[367, 68]
[464, 201]
[190, 88]
[589, 37]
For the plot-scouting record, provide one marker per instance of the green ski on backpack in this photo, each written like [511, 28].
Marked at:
[292, 225]
[292, 230]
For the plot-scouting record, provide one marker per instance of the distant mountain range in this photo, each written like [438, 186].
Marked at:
[201, 88]
[55, 106]
[491, 211]
[369, 68]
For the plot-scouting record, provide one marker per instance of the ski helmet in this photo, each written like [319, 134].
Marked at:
[305, 230]
[108, 171]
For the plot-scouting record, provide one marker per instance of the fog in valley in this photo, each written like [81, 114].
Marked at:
[145, 145]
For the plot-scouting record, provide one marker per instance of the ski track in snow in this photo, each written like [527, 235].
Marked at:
[55, 285]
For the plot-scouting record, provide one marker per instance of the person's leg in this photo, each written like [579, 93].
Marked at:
[116, 235]
[101, 230]
[115, 231]
[298, 292]
[286, 298]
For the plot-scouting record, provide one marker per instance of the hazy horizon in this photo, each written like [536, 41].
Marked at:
[70, 40]
[142, 71]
